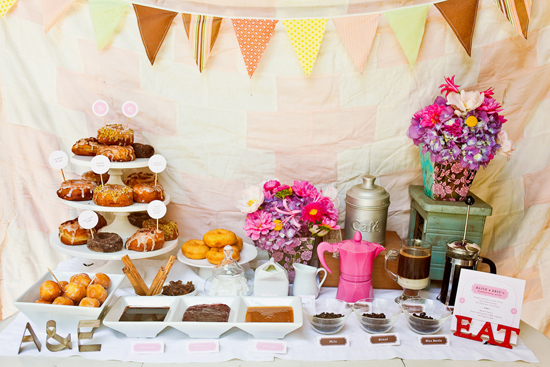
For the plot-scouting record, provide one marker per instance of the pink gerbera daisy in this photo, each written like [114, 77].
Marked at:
[312, 212]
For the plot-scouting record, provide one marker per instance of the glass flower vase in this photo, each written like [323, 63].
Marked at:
[445, 181]
[301, 254]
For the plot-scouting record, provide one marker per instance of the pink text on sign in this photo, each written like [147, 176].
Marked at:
[487, 290]
[274, 347]
[147, 347]
[202, 347]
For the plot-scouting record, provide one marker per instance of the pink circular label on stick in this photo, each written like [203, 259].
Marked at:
[100, 108]
[88, 219]
[129, 109]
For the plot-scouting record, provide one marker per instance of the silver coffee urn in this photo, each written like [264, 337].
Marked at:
[367, 211]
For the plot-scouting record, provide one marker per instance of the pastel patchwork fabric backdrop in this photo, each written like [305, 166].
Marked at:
[221, 130]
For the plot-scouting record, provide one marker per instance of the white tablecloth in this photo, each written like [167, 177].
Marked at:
[238, 344]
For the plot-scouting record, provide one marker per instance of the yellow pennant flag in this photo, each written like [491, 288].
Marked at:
[6, 5]
[306, 36]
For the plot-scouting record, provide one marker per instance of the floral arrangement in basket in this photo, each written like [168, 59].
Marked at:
[284, 219]
[458, 134]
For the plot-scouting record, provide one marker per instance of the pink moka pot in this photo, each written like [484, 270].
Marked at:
[356, 260]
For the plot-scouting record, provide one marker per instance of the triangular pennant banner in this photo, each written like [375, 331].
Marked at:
[357, 34]
[408, 26]
[52, 11]
[5, 6]
[153, 26]
[306, 36]
[106, 14]
[202, 31]
[253, 36]
[461, 16]
[518, 13]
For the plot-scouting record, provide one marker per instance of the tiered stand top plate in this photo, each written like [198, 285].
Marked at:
[82, 160]
[83, 251]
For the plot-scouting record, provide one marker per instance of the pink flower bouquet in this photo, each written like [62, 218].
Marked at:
[281, 218]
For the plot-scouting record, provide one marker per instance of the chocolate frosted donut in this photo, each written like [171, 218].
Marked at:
[143, 150]
[105, 242]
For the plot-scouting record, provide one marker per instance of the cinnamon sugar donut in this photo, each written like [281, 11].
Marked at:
[219, 238]
[86, 146]
[146, 239]
[195, 249]
[76, 190]
[105, 242]
[115, 134]
[71, 233]
[139, 177]
[113, 195]
[117, 153]
[216, 255]
[146, 192]
[95, 177]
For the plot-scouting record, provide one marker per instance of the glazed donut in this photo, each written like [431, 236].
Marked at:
[113, 195]
[169, 227]
[76, 190]
[117, 153]
[139, 177]
[195, 249]
[94, 177]
[219, 238]
[147, 192]
[86, 146]
[115, 134]
[216, 255]
[105, 242]
[71, 233]
[143, 150]
[145, 239]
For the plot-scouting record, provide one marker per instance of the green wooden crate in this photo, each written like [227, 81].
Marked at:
[440, 222]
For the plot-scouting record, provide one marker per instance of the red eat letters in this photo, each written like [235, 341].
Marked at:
[486, 330]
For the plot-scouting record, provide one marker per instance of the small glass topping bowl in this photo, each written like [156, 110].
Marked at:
[322, 325]
[374, 325]
[435, 309]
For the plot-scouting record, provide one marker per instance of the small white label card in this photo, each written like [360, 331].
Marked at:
[487, 297]
[100, 164]
[88, 219]
[333, 341]
[130, 109]
[157, 163]
[100, 108]
[434, 340]
[202, 346]
[147, 347]
[58, 159]
[156, 209]
[384, 339]
[270, 346]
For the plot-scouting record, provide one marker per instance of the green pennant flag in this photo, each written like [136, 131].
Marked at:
[106, 14]
[408, 26]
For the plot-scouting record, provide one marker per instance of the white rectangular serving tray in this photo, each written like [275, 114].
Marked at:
[64, 316]
[205, 330]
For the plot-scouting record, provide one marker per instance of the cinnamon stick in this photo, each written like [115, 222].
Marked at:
[142, 288]
[160, 278]
[137, 288]
[156, 280]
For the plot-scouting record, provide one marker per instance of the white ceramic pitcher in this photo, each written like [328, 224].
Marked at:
[305, 282]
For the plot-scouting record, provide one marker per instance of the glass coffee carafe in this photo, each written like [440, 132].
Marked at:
[413, 267]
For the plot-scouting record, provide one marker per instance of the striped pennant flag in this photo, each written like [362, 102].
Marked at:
[357, 34]
[517, 12]
[202, 31]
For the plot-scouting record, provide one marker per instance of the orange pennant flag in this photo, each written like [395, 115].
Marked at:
[153, 26]
[357, 34]
[253, 36]
[461, 16]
